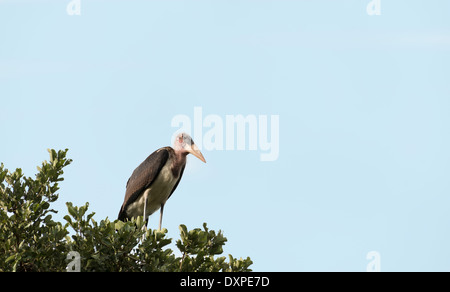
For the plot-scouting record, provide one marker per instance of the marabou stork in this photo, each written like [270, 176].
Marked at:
[156, 178]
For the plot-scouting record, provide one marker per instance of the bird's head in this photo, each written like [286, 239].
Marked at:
[184, 143]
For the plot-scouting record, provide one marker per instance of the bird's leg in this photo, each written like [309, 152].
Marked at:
[160, 216]
[145, 207]
[143, 218]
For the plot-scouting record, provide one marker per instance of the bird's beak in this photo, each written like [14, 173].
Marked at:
[196, 152]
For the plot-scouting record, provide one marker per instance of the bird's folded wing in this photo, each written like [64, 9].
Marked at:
[143, 177]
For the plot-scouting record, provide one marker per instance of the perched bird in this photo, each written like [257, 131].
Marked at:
[156, 178]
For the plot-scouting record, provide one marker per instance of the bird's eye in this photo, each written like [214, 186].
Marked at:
[180, 139]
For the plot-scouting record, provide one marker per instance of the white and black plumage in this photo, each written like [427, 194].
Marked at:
[156, 178]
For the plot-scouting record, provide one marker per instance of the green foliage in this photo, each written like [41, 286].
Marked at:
[31, 241]
[205, 244]
[29, 238]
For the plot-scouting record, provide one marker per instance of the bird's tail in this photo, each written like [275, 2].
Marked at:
[122, 214]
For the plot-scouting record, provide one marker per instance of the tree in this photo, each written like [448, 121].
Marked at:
[30, 240]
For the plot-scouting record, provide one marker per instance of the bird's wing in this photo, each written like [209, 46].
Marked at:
[143, 177]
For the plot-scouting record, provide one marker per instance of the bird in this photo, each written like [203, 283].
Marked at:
[153, 182]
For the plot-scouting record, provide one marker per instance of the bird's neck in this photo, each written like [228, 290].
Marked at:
[178, 162]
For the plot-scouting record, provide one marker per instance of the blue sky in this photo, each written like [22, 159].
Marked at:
[363, 103]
